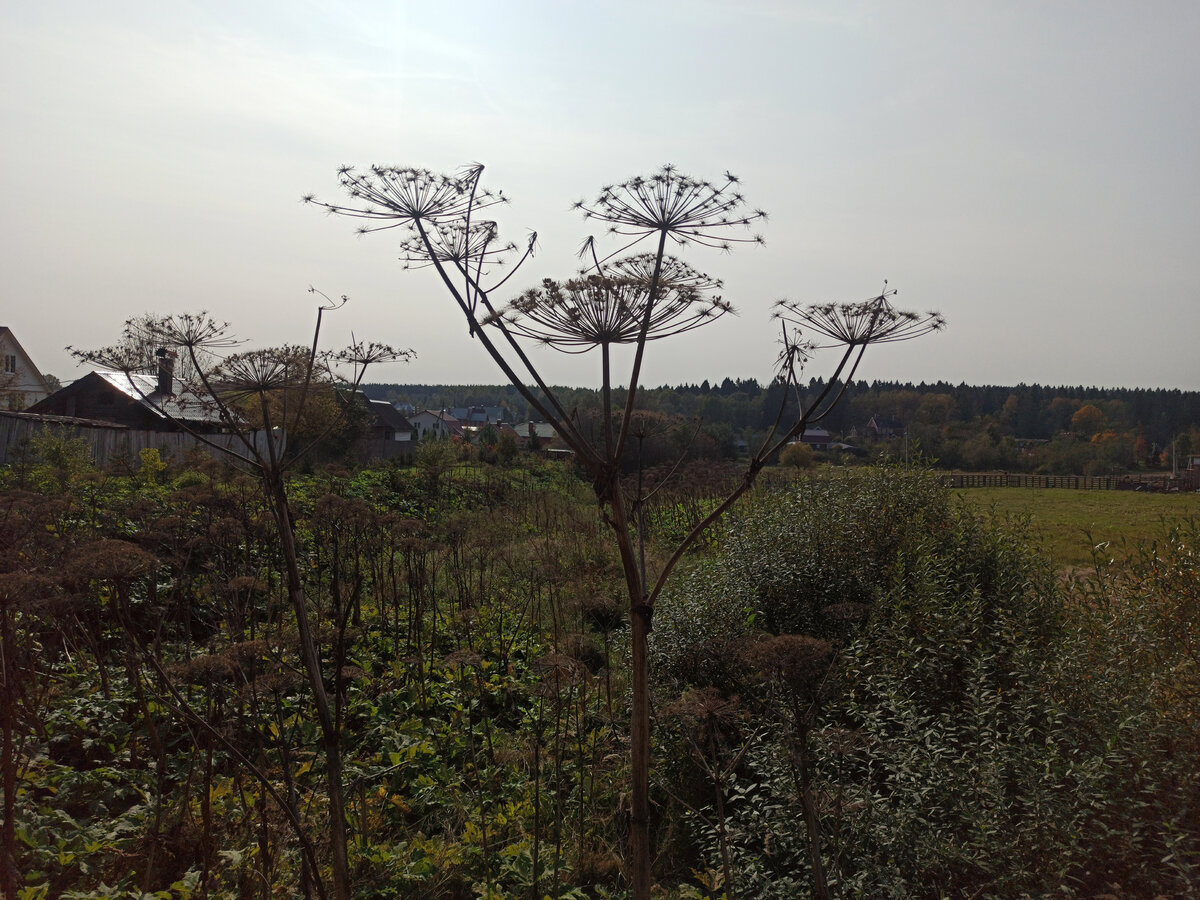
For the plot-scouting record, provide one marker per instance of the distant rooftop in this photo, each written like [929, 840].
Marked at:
[182, 404]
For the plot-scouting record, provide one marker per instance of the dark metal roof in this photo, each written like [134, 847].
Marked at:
[383, 413]
[182, 404]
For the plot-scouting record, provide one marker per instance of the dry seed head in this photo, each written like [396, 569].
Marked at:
[709, 712]
[461, 659]
[873, 321]
[685, 209]
[413, 198]
[799, 661]
[599, 310]
[111, 560]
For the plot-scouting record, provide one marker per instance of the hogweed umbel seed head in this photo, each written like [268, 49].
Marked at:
[395, 196]
[873, 321]
[600, 310]
[684, 209]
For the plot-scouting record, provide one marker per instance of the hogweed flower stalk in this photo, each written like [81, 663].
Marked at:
[195, 333]
[627, 302]
[361, 354]
[264, 371]
[457, 245]
[438, 210]
[674, 207]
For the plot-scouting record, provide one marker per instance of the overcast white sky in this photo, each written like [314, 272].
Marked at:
[1030, 169]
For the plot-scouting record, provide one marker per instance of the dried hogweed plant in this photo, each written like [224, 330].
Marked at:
[257, 398]
[616, 300]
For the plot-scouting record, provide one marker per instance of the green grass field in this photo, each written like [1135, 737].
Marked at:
[1062, 519]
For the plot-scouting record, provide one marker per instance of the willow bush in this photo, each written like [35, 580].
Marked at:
[977, 731]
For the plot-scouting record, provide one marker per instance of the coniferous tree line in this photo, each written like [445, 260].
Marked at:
[1059, 429]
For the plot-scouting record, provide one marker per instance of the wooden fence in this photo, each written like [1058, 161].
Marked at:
[1073, 482]
[106, 443]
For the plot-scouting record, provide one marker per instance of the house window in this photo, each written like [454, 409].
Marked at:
[10, 363]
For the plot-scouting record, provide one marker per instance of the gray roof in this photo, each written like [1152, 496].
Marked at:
[182, 404]
[544, 430]
[384, 413]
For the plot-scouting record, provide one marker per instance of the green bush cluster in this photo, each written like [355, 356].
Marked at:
[979, 730]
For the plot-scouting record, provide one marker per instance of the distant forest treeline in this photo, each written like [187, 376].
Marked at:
[1029, 427]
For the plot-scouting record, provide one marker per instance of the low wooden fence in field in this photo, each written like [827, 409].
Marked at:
[106, 443]
[1072, 482]
[1004, 479]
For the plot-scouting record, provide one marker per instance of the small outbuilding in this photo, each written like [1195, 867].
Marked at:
[158, 402]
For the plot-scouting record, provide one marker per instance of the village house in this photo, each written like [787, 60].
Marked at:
[817, 438]
[158, 402]
[880, 428]
[388, 424]
[536, 434]
[429, 424]
[21, 384]
[389, 434]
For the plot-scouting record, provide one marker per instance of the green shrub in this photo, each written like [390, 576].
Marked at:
[798, 456]
[59, 460]
[810, 557]
[978, 734]
[152, 465]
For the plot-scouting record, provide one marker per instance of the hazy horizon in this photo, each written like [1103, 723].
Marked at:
[714, 383]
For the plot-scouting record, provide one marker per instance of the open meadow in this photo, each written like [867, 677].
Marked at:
[1069, 524]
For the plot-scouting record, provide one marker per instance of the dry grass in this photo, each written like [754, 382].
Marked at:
[1069, 524]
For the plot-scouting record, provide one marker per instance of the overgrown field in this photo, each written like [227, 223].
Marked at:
[860, 686]
[1069, 525]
